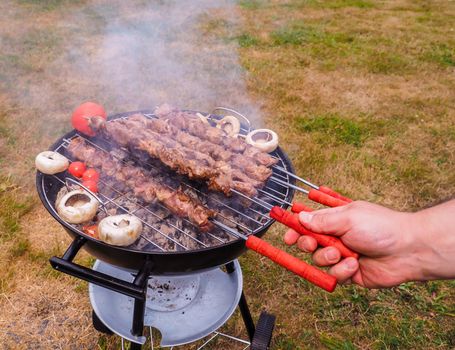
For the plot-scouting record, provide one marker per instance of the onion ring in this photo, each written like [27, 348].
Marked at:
[264, 139]
[230, 125]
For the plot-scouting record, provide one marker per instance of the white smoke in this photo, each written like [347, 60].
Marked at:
[138, 54]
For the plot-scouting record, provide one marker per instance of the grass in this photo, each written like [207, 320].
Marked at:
[338, 4]
[442, 54]
[333, 128]
[347, 80]
[48, 5]
[247, 40]
[12, 208]
[360, 93]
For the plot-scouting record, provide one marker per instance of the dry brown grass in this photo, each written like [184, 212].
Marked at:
[361, 94]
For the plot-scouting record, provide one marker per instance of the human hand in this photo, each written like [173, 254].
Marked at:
[384, 238]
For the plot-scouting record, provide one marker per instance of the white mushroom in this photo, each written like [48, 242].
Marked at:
[230, 125]
[121, 230]
[49, 162]
[77, 206]
[264, 139]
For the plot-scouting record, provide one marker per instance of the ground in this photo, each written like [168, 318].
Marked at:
[362, 94]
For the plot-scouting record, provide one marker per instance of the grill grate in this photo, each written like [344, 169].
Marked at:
[231, 219]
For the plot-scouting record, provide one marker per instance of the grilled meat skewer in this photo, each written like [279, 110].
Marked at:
[142, 184]
[190, 123]
[196, 165]
[218, 153]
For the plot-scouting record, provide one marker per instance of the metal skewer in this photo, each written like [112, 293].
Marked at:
[306, 182]
[282, 183]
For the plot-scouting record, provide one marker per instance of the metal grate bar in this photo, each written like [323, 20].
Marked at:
[161, 205]
[280, 177]
[225, 205]
[269, 189]
[107, 198]
[278, 200]
[152, 213]
[186, 184]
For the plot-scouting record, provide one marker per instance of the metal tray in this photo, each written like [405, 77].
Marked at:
[182, 308]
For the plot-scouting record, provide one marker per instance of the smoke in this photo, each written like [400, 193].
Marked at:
[139, 54]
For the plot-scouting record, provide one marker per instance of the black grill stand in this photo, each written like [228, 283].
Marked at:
[260, 335]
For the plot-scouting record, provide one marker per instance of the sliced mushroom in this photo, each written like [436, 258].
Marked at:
[230, 125]
[264, 139]
[77, 206]
[121, 230]
[49, 162]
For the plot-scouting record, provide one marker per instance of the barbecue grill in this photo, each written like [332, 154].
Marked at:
[171, 251]
[158, 251]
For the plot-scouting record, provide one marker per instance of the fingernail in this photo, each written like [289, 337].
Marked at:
[305, 217]
[331, 254]
[351, 264]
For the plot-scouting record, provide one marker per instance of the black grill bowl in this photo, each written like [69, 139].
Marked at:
[171, 262]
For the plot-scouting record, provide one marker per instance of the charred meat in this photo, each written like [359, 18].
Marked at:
[200, 159]
[143, 185]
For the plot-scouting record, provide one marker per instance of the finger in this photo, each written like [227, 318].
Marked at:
[307, 244]
[326, 256]
[345, 269]
[335, 221]
[291, 237]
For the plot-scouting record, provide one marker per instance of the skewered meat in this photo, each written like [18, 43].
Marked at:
[143, 185]
[219, 153]
[220, 176]
[192, 124]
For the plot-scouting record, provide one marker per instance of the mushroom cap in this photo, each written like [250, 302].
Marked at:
[50, 162]
[121, 230]
[77, 206]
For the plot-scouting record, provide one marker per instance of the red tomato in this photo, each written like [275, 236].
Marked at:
[91, 174]
[91, 230]
[84, 115]
[76, 169]
[91, 185]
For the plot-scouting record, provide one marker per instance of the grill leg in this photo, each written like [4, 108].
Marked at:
[140, 280]
[246, 315]
[243, 306]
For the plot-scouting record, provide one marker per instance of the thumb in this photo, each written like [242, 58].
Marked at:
[334, 221]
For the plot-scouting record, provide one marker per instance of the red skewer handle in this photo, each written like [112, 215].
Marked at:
[293, 264]
[323, 198]
[297, 207]
[292, 221]
[330, 192]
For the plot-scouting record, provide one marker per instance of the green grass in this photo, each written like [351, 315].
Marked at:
[334, 129]
[384, 62]
[12, 208]
[20, 248]
[298, 33]
[442, 54]
[49, 5]
[247, 40]
[336, 344]
[251, 4]
[360, 95]
[338, 4]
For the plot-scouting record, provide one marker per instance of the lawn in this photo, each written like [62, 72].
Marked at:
[361, 93]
